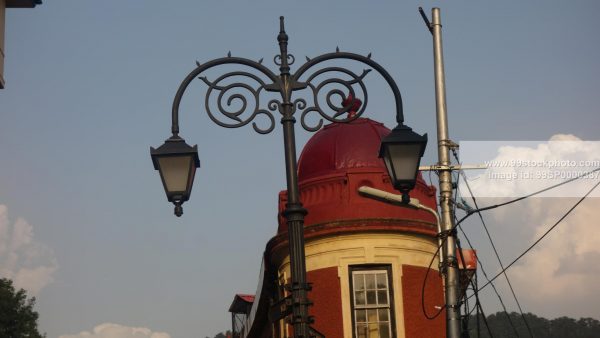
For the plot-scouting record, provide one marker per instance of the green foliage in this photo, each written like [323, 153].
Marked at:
[225, 334]
[562, 327]
[17, 317]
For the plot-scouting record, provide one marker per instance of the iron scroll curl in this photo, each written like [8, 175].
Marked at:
[229, 93]
[347, 88]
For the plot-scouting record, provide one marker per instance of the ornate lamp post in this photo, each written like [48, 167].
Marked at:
[177, 161]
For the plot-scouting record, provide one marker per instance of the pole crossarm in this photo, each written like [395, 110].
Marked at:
[439, 167]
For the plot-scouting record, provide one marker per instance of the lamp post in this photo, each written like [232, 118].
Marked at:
[177, 161]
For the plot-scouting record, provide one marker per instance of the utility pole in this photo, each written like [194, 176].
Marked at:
[449, 264]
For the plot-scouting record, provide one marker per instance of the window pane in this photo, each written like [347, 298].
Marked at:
[370, 280]
[373, 330]
[361, 316]
[381, 281]
[361, 330]
[382, 297]
[371, 297]
[371, 307]
[360, 298]
[384, 330]
[372, 315]
[383, 315]
[359, 282]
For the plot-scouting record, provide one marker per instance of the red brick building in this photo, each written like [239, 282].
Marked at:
[366, 259]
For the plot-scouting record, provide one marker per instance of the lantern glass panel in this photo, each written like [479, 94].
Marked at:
[175, 171]
[402, 160]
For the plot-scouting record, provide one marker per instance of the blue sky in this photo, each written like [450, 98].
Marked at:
[89, 85]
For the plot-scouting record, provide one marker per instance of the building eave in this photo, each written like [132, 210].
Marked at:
[22, 3]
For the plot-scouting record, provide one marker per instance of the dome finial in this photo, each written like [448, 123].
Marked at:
[353, 104]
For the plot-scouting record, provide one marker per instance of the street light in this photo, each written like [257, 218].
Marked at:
[401, 151]
[177, 161]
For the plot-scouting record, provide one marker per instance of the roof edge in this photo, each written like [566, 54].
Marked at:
[22, 3]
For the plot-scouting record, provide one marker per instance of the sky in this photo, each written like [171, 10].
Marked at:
[84, 223]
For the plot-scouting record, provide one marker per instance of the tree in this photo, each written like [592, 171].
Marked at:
[17, 317]
[562, 327]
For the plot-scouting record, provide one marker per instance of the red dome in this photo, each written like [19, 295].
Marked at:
[342, 146]
[335, 162]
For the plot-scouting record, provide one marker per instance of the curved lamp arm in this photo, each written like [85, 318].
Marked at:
[235, 116]
[362, 59]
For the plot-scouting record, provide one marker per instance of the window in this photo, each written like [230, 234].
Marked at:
[372, 310]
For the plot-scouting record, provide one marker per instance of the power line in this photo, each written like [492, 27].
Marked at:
[444, 235]
[495, 250]
[471, 212]
[542, 237]
[477, 257]
[476, 291]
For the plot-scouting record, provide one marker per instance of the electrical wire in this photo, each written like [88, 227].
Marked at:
[425, 282]
[461, 172]
[485, 320]
[542, 237]
[476, 292]
[445, 234]
[474, 211]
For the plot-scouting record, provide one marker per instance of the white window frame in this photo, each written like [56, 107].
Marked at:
[378, 305]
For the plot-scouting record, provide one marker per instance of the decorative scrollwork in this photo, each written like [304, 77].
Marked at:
[299, 104]
[333, 87]
[232, 101]
[290, 59]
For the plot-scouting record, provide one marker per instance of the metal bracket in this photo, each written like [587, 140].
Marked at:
[449, 143]
[280, 309]
[439, 167]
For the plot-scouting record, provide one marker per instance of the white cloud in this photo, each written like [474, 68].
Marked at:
[109, 330]
[29, 263]
[517, 168]
[561, 274]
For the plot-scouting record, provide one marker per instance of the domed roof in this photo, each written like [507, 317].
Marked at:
[334, 163]
[342, 146]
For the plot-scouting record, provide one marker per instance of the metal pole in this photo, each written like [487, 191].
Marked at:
[294, 212]
[449, 264]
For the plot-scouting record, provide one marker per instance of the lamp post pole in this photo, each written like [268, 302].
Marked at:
[450, 264]
[175, 158]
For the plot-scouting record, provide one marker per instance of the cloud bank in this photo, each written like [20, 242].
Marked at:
[109, 330]
[29, 263]
[559, 276]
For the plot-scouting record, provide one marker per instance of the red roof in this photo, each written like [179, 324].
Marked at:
[246, 298]
[334, 163]
[341, 146]
[241, 303]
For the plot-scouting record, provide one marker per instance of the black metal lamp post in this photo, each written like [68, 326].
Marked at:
[176, 158]
[401, 151]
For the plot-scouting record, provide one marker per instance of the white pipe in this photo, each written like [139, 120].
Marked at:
[388, 197]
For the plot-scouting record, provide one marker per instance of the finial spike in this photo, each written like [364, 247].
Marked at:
[260, 61]
[281, 24]
[369, 56]
[307, 58]
[197, 63]
[337, 49]
[229, 54]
